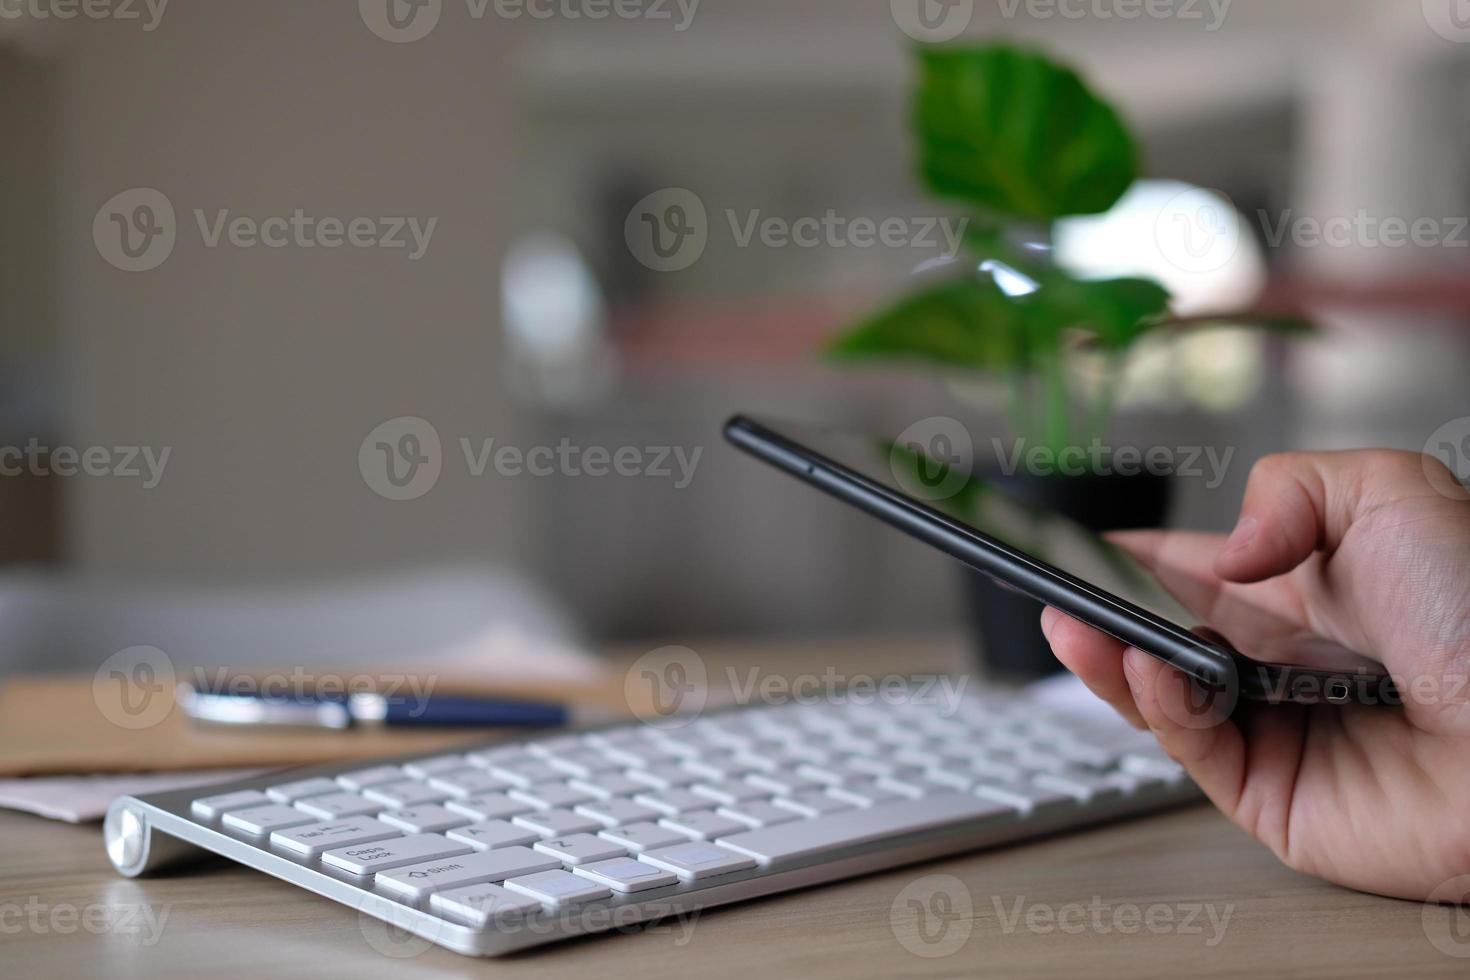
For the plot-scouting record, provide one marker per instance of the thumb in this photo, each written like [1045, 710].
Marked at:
[1299, 503]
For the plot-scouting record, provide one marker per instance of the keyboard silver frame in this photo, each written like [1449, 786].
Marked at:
[152, 832]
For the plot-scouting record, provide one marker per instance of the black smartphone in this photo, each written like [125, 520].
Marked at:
[1234, 647]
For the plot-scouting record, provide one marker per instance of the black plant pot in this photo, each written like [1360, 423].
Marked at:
[1008, 624]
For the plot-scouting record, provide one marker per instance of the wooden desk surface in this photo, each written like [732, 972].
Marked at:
[1180, 893]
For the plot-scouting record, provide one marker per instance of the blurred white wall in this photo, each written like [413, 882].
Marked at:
[264, 368]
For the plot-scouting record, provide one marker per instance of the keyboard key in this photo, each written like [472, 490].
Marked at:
[696, 861]
[580, 849]
[866, 793]
[489, 806]
[644, 836]
[367, 859]
[783, 781]
[526, 772]
[703, 825]
[557, 823]
[804, 753]
[610, 738]
[1038, 760]
[210, 807]
[664, 777]
[960, 779]
[988, 769]
[1129, 783]
[301, 789]
[806, 839]
[731, 792]
[1026, 797]
[405, 794]
[363, 778]
[715, 768]
[262, 820]
[640, 755]
[1160, 766]
[765, 759]
[424, 819]
[424, 768]
[493, 833]
[584, 764]
[830, 774]
[312, 839]
[468, 782]
[759, 813]
[625, 875]
[483, 905]
[880, 765]
[556, 745]
[813, 803]
[1082, 787]
[615, 812]
[335, 805]
[1084, 754]
[673, 802]
[485, 758]
[608, 785]
[415, 882]
[558, 888]
[913, 787]
[544, 796]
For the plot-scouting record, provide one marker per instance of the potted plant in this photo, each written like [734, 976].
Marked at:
[1024, 143]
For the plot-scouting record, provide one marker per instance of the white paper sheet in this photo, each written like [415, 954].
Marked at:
[82, 799]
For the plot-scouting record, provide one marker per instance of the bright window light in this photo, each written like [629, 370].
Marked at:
[1190, 239]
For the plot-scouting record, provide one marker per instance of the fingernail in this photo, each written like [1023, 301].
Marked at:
[1244, 533]
[1132, 674]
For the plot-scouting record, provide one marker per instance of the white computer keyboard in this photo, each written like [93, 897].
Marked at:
[525, 842]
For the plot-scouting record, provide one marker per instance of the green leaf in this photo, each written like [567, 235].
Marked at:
[971, 323]
[965, 323]
[1016, 133]
[1116, 311]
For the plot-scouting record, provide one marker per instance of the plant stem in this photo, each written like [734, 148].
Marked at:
[1022, 421]
[1101, 417]
[1057, 423]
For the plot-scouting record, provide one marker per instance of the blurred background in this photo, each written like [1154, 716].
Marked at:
[518, 139]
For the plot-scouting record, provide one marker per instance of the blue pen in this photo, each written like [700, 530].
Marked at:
[229, 707]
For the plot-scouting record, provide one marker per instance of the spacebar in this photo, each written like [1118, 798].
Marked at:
[821, 835]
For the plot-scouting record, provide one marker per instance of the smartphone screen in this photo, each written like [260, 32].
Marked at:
[1238, 618]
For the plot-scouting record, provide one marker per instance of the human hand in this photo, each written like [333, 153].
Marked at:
[1370, 549]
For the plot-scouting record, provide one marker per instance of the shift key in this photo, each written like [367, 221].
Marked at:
[368, 859]
[416, 882]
